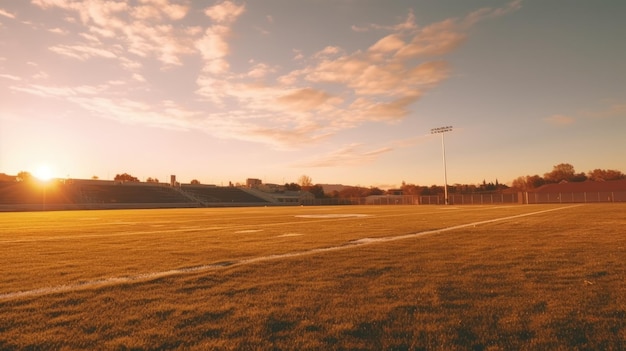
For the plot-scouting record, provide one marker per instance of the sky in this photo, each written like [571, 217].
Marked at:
[342, 91]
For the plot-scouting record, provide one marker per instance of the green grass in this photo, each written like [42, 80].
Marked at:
[551, 280]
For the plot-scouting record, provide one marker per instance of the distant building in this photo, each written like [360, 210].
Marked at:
[395, 192]
[253, 183]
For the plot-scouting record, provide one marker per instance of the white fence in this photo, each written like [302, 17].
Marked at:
[471, 199]
[476, 199]
[586, 197]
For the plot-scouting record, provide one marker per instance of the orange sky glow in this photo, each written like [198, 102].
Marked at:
[342, 91]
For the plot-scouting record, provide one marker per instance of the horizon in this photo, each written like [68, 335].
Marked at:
[223, 91]
[44, 176]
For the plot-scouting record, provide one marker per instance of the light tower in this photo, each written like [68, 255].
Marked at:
[442, 131]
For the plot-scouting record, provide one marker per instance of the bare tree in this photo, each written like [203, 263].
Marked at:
[305, 181]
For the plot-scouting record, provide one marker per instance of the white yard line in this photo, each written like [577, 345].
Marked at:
[214, 266]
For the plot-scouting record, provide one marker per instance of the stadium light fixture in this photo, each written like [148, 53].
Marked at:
[442, 131]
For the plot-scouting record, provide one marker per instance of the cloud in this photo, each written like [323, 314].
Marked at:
[225, 12]
[58, 31]
[143, 29]
[158, 9]
[349, 155]
[305, 99]
[260, 70]
[394, 110]
[559, 120]
[408, 25]
[313, 97]
[390, 43]
[214, 46]
[435, 40]
[10, 77]
[82, 52]
[614, 110]
[7, 14]
[335, 89]
[102, 101]
[487, 13]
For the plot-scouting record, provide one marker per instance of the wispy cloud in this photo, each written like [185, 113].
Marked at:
[316, 97]
[10, 77]
[612, 111]
[142, 30]
[409, 25]
[58, 31]
[82, 52]
[102, 101]
[6, 13]
[559, 120]
[349, 155]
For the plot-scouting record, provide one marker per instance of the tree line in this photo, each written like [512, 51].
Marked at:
[563, 172]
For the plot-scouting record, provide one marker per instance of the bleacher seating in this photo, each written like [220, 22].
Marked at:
[129, 193]
[85, 192]
[33, 193]
[214, 194]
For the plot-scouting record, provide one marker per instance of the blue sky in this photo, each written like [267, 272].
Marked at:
[344, 91]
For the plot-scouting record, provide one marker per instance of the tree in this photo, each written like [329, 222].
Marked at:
[195, 182]
[305, 181]
[410, 189]
[352, 191]
[560, 172]
[535, 181]
[375, 191]
[528, 182]
[152, 180]
[125, 177]
[578, 177]
[24, 177]
[520, 183]
[317, 191]
[292, 187]
[605, 174]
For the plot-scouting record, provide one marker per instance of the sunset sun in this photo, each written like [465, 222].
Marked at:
[43, 173]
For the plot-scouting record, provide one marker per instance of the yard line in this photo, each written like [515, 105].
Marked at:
[223, 264]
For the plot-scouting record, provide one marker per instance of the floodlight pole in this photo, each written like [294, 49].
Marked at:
[442, 131]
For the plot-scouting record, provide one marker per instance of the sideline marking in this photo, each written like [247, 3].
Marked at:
[333, 215]
[218, 265]
[286, 235]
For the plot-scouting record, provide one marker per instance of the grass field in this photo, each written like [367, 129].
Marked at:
[311, 278]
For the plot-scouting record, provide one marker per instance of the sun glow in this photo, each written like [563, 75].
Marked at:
[43, 173]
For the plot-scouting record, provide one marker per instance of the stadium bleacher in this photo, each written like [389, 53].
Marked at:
[129, 193]
[214, 194]
[81, 193]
